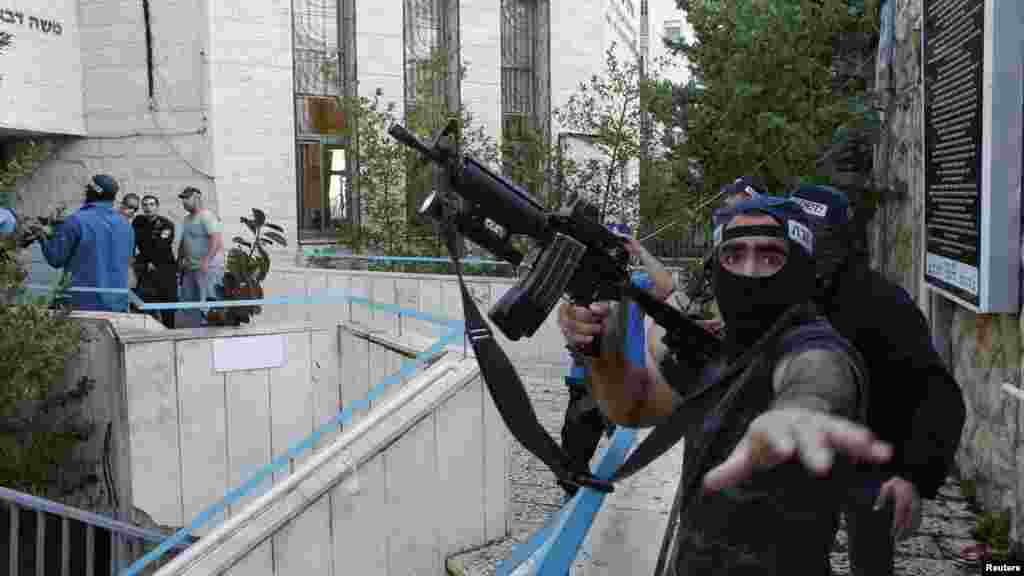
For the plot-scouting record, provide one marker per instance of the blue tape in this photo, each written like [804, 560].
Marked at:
[343, 417]
[568, 536]
[554, 546]
[322, 297]
[409, 259]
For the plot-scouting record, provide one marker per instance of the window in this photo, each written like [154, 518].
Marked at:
[518, 81]
[426, 85]
[320, 122]
[673, 31]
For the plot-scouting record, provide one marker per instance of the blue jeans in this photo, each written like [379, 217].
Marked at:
[197, 286]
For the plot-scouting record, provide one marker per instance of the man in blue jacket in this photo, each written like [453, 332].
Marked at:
[94, 245]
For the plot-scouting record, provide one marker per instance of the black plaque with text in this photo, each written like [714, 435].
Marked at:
[954, 32]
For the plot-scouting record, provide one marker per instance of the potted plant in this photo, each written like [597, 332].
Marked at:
[248, 264]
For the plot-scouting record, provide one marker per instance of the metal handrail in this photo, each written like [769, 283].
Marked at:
[84, 516]
[18, 501]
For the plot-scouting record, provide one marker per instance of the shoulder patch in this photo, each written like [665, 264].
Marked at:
[813, 208]
[802, 235]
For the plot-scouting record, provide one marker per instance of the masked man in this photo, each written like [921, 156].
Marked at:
[916, 405]
[764, 419]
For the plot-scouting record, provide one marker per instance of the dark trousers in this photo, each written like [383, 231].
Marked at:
[160, 286]
[581, 431]
[869, 532]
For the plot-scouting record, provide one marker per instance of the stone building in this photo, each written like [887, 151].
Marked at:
[234, 97]
[983, 349]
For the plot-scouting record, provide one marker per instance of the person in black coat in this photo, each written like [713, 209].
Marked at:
[155, 265]
[914, 402]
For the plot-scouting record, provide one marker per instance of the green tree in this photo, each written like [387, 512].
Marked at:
[606, 112]
[393, 180]
[39, 421]
[780, 85]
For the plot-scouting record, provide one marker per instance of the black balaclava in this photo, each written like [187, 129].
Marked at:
[751, 305]
[828, 212]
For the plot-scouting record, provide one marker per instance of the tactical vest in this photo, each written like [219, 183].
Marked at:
[781, 521]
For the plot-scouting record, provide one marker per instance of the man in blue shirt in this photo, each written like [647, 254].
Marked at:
[94, 245]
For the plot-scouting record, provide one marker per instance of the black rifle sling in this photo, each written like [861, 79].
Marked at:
[510, 396]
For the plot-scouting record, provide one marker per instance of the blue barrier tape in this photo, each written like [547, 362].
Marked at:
[567, 537]
[427, 259]
[322, 297]
[343, 417]
[553, 548]
[132, 296]
[565, 532]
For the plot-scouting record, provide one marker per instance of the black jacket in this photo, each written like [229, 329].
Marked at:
[914, 402]
[155, 241]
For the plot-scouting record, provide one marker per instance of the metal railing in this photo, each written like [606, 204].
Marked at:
[42, 537]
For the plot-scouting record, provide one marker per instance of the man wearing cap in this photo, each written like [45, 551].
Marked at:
[764, 420]
[698, 290]
[916, 405]
[200, 253]
[95, 246]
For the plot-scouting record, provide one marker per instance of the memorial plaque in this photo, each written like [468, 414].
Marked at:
[972, 61]
[954, 59]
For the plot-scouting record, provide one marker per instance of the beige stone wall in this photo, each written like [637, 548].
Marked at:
[984, 351]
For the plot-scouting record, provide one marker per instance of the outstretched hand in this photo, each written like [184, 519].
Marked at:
[782, 434]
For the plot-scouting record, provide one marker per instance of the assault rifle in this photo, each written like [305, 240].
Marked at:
[577, 256]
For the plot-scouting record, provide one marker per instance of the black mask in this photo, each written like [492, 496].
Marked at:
[750, 305]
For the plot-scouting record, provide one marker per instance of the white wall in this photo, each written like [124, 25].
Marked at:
[156, 149]
[577, 49]
[40, 72]
[252, 110]
[379, 51]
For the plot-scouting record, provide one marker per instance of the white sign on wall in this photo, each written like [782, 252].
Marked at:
[40, 67]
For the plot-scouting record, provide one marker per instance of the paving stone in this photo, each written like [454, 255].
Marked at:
[908, 566]
[840, 562]
[922, 546]
[947, 508]
[951, 491]
[945, 526]
[952, 548]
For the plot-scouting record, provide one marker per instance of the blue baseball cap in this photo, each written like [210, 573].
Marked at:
[103, 185]
[823, 204]
[791, 216]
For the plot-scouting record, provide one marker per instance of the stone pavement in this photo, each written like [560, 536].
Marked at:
[641, 509]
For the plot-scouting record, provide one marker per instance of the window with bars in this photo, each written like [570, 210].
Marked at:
[519, 93]
[321, 146]
[425, 25]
